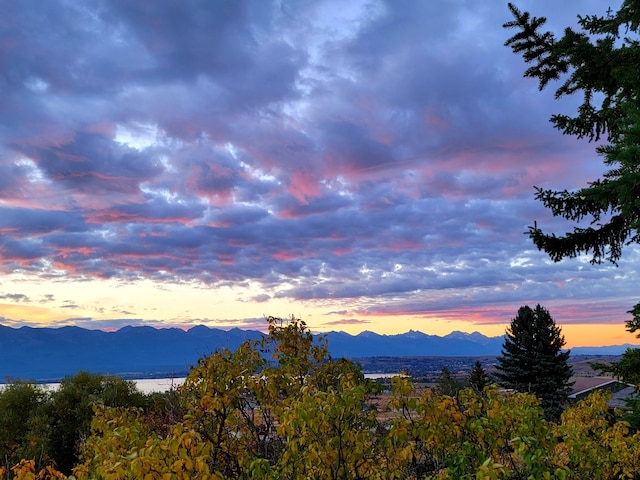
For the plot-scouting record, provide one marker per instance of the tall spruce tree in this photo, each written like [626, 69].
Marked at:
[532, 359]
[601, 62]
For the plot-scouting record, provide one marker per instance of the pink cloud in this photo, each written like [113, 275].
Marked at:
[347, 321]
[563, 312]
[304, 185]
[433, 119]
[285, 256]
[115, 216]
[402, 245]
[66, 252]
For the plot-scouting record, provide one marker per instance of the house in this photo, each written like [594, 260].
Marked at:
[584, 386]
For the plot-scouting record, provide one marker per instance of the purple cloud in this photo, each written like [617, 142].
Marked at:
[385, 152]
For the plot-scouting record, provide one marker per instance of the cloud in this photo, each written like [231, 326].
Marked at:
[347, 321]
[381, 152]
[15, 297]
[262, 298]
[49, 297]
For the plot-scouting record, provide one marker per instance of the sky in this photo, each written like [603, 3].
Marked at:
[362, 165]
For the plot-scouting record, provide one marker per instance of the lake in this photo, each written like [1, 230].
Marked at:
[152, 385]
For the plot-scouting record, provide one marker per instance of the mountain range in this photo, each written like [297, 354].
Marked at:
[43, 354]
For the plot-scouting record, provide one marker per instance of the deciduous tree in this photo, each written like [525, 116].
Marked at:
[70, 410]
[275, 408]
[307, 416]
[20, 407]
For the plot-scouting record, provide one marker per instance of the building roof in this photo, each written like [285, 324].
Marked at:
[583, 385]
[618, 399]
[620, 390]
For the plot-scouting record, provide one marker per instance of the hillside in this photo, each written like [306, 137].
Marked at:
[52, 353]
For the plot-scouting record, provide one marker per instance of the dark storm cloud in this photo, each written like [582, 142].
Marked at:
[375, 150]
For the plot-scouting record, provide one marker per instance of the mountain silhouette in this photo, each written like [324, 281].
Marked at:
[45, 354]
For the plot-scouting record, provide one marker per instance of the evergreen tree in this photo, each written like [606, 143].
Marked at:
[532, 359]
[600, 61]
[478, 378]
[447, 384]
